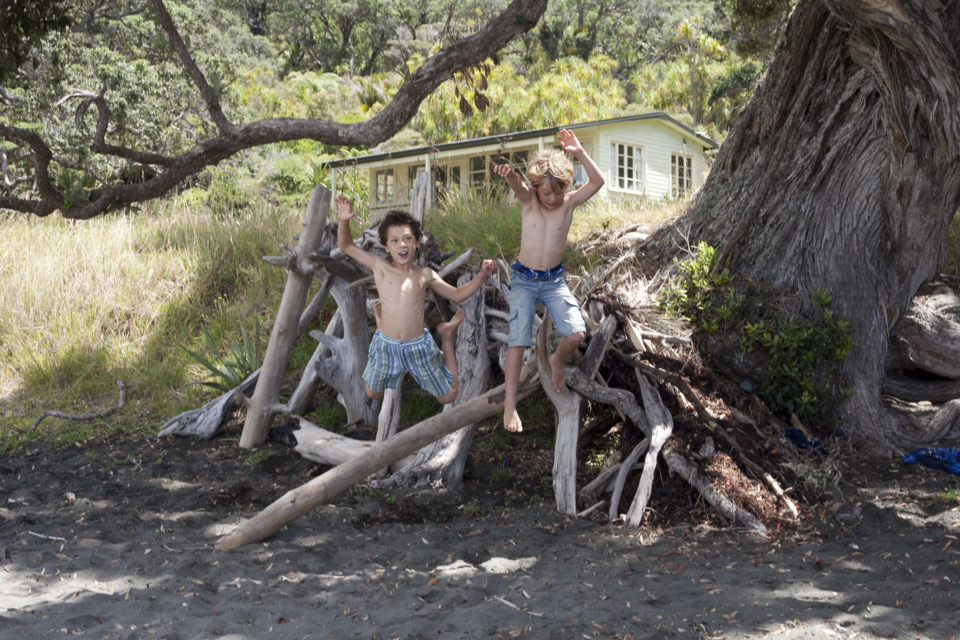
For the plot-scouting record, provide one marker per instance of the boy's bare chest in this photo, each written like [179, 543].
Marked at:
[398, 284]
[538, 222]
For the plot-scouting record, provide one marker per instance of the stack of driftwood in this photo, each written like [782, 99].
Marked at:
[624, 335]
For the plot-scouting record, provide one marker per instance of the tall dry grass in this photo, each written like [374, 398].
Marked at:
[83, 304]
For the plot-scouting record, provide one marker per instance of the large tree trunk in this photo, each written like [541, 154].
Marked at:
[843, 174]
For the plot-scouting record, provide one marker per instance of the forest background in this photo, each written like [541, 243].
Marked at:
[176, 292]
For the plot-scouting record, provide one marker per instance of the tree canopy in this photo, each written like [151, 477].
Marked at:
[203, 132]
[123, 100]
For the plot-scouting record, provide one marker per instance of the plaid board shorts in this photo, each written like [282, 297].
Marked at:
[389, 359]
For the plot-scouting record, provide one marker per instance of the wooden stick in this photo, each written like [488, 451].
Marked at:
[625, 469]
[88, 416]
[662, 423]
[260, 411]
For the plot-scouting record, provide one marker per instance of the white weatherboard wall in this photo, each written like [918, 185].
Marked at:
[658, 142]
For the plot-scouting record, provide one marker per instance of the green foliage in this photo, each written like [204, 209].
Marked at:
[798, 350]
[702, 293]
[231, 366]
[259, 455]
[417, 405]
[73, 186]
[24, 24]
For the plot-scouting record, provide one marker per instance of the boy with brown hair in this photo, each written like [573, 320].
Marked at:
[537, 275]
[402, 343]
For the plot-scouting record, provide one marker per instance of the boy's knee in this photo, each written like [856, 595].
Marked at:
[576, 337]
[373, 395]
[449, 396]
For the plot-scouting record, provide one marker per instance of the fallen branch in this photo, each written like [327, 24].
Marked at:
[87, 416]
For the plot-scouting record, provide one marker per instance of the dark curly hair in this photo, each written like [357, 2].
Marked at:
[399, 219]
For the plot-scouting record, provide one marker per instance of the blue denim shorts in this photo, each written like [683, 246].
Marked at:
[554, 294]
[389, 359]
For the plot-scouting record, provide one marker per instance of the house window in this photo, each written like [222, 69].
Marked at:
[384, 192]
[681, 175]
[626, 167]
[477, 172]
[519, 160]
[444, 179]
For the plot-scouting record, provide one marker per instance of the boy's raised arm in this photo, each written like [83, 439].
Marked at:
[570, 144]
[344, 240]
[463, 292]
[519, 187]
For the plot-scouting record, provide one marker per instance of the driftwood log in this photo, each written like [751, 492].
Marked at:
[265, 401]
[661, 424]
[322, 488]
[343, 367]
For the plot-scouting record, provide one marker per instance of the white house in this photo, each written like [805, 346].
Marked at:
[649, 155]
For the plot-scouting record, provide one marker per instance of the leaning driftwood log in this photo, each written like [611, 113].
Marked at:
[568, 407]
[265, 401]
[319, 490]
[343, 367]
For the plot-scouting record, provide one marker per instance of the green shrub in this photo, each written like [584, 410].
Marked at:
[799, 350]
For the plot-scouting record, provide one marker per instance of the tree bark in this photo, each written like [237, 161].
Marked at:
[843, 174]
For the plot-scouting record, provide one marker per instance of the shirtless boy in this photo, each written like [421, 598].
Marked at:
[401, 342]
[537, 275]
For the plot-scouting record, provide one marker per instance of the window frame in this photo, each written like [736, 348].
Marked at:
[638, 154]
[676, 190]
[389, 186]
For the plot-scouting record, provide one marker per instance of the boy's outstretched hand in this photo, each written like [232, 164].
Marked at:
[488, 267]
[344, 209]
[503, 170]
[569, 142]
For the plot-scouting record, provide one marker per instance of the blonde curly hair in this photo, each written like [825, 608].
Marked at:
[551, 165]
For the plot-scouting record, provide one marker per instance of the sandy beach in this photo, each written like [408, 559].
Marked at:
[119, 543]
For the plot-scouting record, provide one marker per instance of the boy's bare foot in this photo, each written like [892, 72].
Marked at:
[557, 377]
[511, 421]
[376, 314]
[447, 328]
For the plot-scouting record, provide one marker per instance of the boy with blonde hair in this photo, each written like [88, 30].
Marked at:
[537, 275]
[402, 343]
